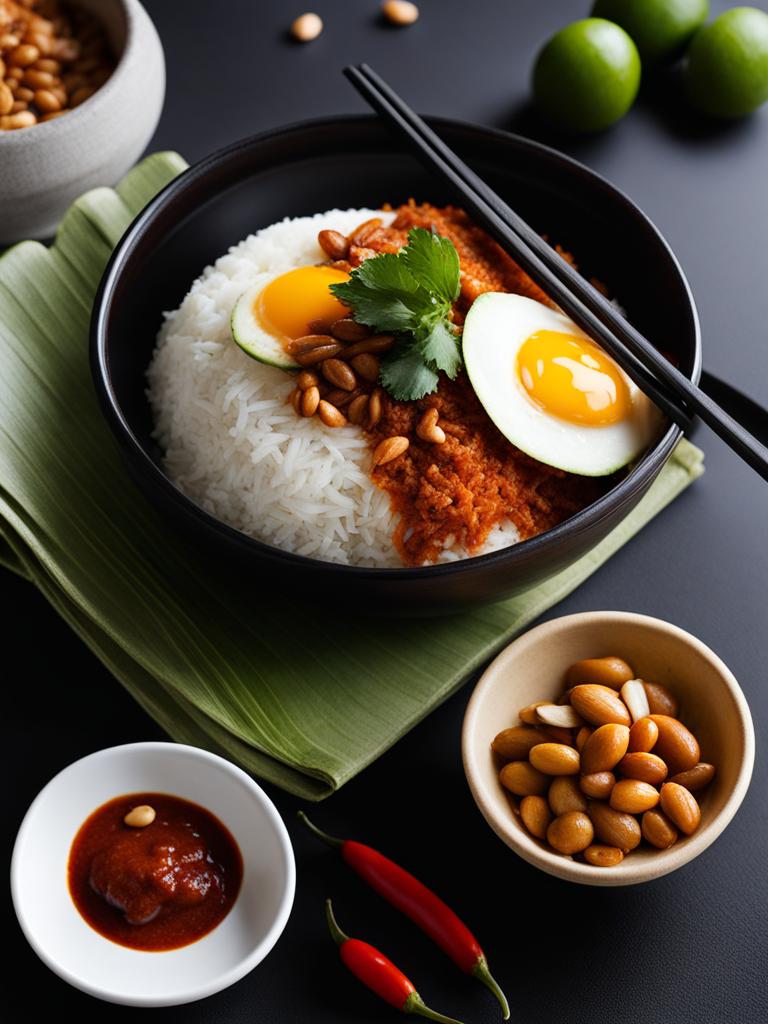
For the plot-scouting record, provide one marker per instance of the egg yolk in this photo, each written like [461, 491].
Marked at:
[288, 303]
[573, 379]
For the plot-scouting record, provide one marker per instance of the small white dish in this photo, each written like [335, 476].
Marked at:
[80, 955]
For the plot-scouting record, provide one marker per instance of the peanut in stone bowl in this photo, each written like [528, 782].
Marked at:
[80, 96]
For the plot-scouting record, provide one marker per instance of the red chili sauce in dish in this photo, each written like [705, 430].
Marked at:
[158, 887]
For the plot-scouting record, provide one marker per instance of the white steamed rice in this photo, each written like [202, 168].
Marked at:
[234, 445]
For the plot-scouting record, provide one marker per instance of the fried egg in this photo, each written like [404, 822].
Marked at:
[551, 390]
[278, 308]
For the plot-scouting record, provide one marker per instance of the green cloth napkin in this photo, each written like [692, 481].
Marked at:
[293, 694]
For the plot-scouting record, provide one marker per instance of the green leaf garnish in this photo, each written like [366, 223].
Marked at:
[406, 375]
[410, 293]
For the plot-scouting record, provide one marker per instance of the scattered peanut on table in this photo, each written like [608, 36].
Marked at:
[608, 766]
[53, 57]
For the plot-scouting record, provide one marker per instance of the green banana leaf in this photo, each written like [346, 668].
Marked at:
[289, 693]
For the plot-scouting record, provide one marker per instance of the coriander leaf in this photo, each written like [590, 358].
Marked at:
[433, 262]
[384, 294]
[381, 310]
[440, 349]
[406, 376]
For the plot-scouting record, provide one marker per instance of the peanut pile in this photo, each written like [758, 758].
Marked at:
[340, 361]
[52, 59]
[609, 766]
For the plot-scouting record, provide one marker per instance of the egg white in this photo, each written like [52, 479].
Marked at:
[496, 327]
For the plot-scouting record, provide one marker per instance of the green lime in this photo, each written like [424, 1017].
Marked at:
[587, 75]
[726, 73]
[660, 28]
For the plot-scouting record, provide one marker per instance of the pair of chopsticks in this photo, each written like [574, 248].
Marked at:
[671, 390]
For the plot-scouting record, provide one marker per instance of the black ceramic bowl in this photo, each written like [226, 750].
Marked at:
[350, 162]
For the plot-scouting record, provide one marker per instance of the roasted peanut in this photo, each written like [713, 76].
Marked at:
[603, 856]
[598, 785]
[400, 12]
[564, 795]
[612, 672]
[599, 705]
[6, 99]
[555, 759]
[643, 735]
[528, 714]
[348, 329]
[633, 695]
[644, 767]
[604, 748]
[22, 119]
[676, 744]
[335, 245]
[560, 715]
[306, 27]
[514, 744]
[358, 410]
[375, 407]
[330, 415]
[522, 779]
[310, 399]
[140, 817]
[390, 448]
[633, 796]
[295, 399]
[582, 736]
[695, 778]
[557, 734]
[366, 365]
[313, 348]
[536, 815]
[47, 101]
[319, 325]
[658, 830]
[338, 373]
[307, 379]
[376, 343]
[34, 79]
[660, 700]
[680, 807]
[570, 833]
[362, 232]
[24, 55]
[427, 428]
[615, 828]
[338, 397]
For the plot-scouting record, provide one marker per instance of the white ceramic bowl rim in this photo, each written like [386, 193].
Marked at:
[194, 991]
[58, 124]
[553, 863]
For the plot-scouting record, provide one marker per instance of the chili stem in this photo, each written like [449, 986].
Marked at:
[326, 838]
[337, 934]
[416, 1005]
[482, 973]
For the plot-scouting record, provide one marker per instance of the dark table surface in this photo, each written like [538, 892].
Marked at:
[687, 948]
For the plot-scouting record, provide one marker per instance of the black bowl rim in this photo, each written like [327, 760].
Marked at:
[582, 521]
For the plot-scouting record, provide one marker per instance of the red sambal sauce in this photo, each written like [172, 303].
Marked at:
[159, 887]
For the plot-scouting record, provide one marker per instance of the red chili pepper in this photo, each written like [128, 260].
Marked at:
[379, 974]
[420, 904]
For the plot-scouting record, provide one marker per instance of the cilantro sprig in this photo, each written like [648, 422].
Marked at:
[410, 293]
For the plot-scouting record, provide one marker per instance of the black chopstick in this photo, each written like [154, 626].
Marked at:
[671, 390]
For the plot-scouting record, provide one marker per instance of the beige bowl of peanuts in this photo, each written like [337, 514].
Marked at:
[82, 84]
[579, 789]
